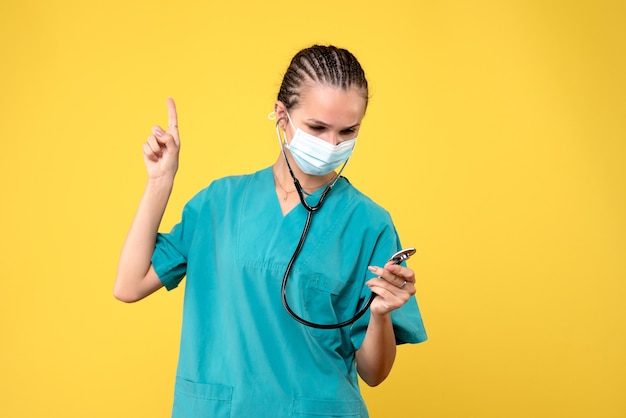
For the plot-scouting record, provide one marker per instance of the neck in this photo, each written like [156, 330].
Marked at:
[308, 182]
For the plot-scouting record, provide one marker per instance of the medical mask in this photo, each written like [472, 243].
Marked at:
[314, 155]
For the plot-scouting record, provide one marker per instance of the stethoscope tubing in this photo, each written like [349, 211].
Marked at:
[305, 231]
[283, 291]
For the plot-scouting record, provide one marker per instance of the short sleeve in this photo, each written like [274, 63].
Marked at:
[407, 321]
[172, 249]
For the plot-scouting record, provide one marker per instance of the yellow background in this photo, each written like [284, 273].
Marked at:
[495, 136]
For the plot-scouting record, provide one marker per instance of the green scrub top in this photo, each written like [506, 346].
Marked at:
[241, 354]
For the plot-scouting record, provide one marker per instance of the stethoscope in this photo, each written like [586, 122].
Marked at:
[397, 258]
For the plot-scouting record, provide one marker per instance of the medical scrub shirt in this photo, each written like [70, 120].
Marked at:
[241, 354]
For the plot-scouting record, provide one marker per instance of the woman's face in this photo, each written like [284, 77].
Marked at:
[329, 113]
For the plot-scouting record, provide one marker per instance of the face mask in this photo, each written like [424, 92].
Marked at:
[314, 155]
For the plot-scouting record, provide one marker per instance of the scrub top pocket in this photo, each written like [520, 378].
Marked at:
[198, 399]
[328, 301]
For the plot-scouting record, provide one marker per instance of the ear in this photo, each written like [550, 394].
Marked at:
[281, 114]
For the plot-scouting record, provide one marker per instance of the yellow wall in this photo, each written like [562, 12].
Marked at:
[496, 136]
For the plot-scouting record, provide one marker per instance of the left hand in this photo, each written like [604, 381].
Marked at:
[394, 286]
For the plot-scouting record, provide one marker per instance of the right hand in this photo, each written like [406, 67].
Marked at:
[160, 151]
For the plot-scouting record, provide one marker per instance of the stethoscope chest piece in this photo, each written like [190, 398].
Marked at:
[397, 258]
[402, 255]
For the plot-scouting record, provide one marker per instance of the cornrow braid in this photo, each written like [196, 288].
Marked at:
[326, 65]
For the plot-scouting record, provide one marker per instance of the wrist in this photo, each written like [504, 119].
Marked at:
[380, 318]
[159, 188]
[165, 182]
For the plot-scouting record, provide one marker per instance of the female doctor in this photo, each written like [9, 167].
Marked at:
[241, 247]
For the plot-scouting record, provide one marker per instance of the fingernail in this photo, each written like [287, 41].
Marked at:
[372, 269]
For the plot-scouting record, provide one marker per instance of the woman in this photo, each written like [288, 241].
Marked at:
[241, 353]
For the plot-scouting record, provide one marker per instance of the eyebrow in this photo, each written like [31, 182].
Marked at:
[319, 122]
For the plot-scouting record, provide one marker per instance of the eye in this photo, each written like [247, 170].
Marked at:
[316, 128]
[350, 131]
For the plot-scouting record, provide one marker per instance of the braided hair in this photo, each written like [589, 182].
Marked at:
[325, 65]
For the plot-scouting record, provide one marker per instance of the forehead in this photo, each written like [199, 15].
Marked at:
[331, 104]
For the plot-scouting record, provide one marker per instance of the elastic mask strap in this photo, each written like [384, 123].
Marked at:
[290, 121]
[282, 141]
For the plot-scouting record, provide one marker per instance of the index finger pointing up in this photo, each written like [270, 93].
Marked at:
[172, 117]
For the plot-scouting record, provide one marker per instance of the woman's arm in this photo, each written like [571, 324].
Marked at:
[394, 287]
[136, 278]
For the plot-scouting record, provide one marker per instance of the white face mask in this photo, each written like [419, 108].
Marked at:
[314, 155]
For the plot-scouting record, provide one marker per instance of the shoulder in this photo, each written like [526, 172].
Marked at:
[229, 184]
[362, 203]
[226, 189]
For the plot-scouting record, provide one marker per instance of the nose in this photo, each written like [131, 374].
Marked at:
[333, 138]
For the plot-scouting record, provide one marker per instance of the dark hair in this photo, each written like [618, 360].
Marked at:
[326, 65]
